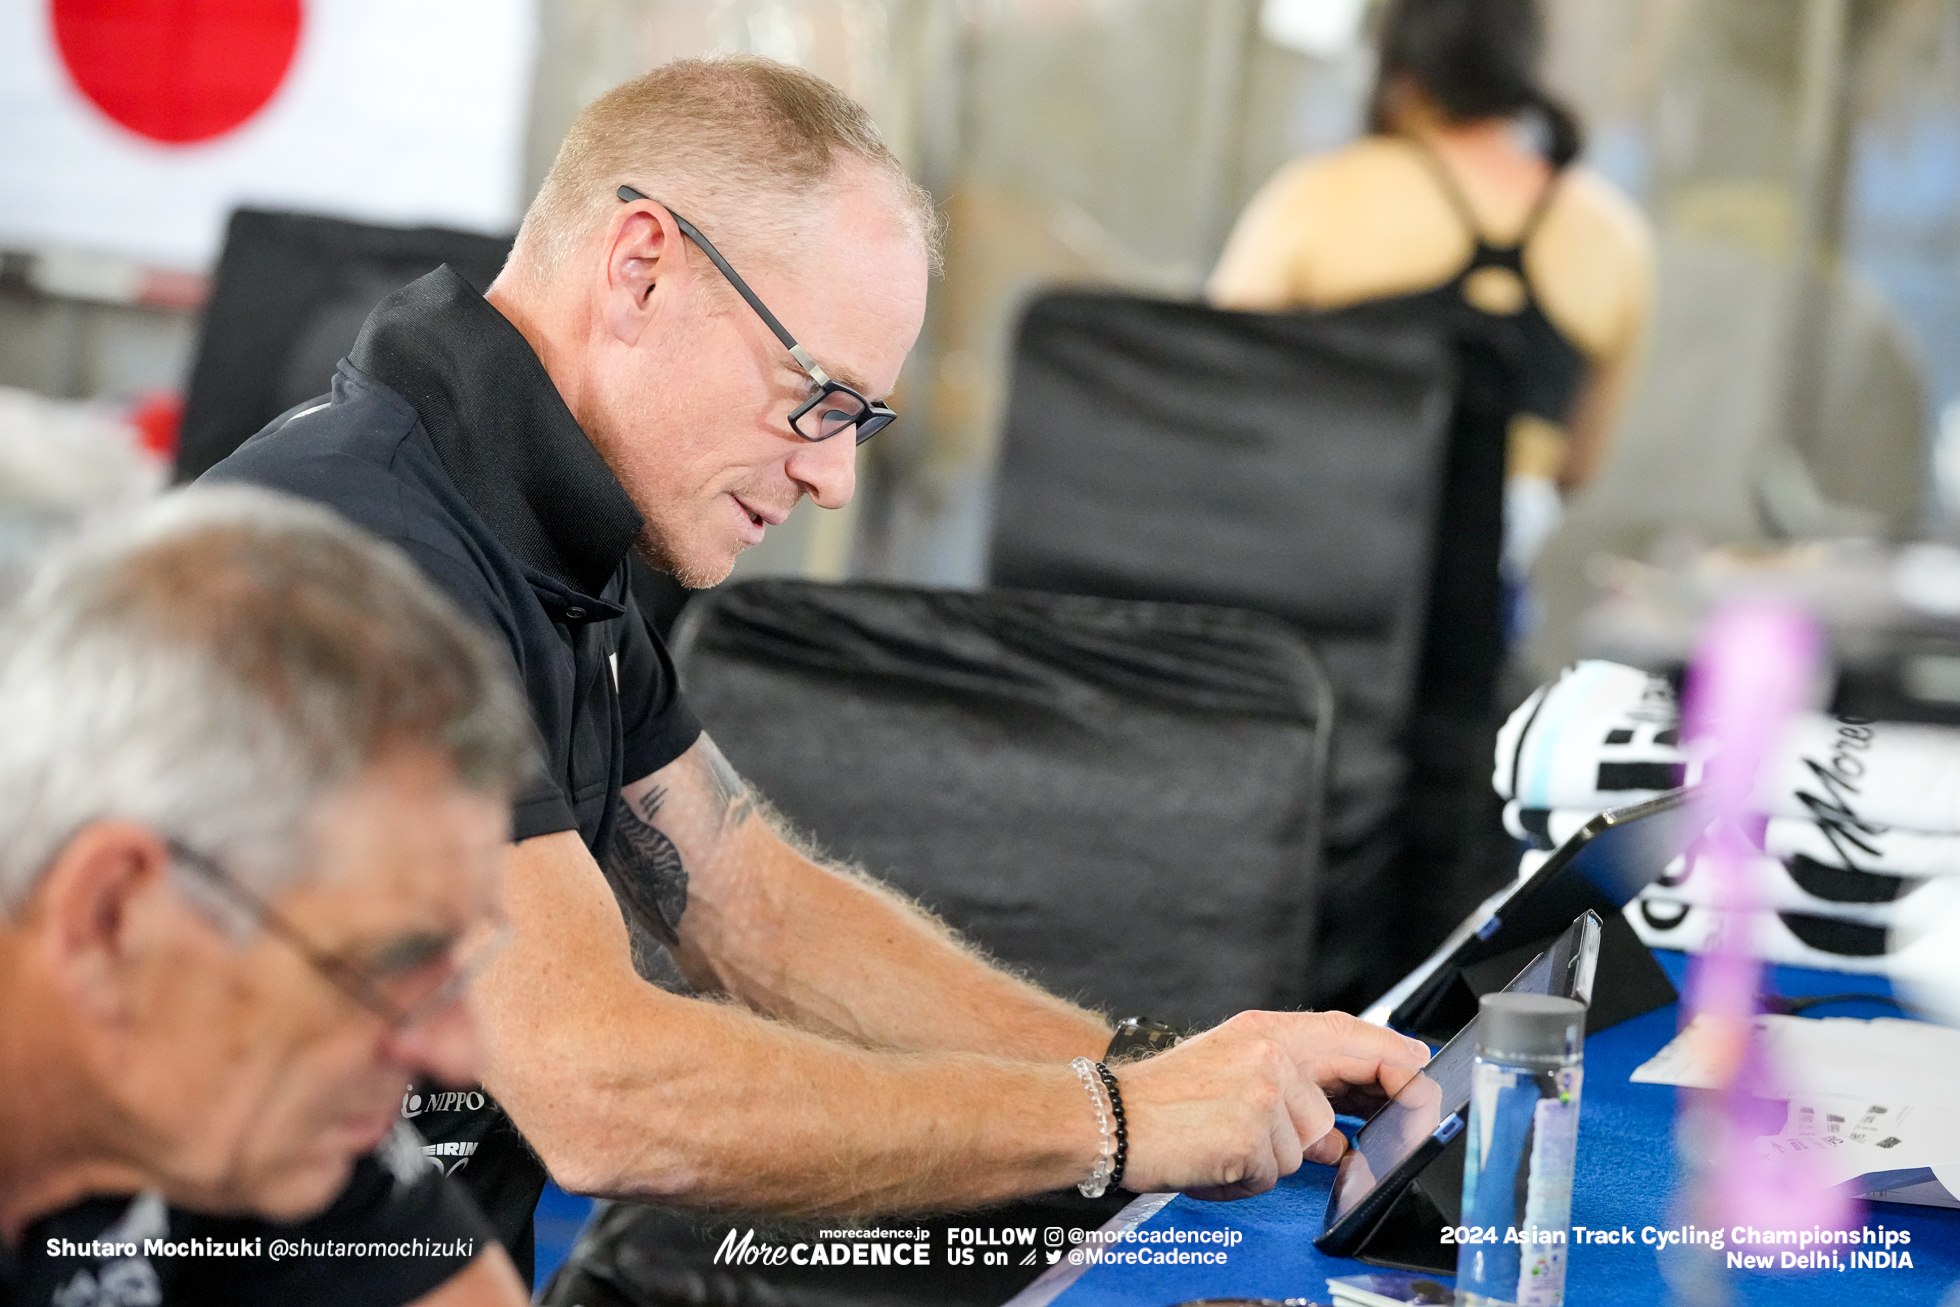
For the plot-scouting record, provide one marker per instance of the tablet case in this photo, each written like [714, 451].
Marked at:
[1628, 983]
[1407, 1237]
[1592, 875]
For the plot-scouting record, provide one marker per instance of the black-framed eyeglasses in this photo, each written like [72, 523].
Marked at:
[832, 406]
[429, 977]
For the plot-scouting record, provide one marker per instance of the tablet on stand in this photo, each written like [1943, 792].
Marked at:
[1401, 1182]
[1600, 869]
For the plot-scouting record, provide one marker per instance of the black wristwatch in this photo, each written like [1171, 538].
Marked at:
[1137, 1037]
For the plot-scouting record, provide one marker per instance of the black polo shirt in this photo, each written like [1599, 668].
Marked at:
[444, 435]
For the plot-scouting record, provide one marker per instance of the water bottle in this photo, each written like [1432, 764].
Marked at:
[1523, 1138]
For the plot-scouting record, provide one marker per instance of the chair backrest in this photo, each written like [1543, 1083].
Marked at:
[289, 297]
[1122, 798]
[1281, 462]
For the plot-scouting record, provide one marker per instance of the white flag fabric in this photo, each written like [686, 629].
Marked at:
[393, 111]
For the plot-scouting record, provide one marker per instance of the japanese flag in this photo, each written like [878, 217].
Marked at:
[133, 127]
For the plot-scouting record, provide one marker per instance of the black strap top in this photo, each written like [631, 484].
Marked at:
[1515, 361]
[1493, 283]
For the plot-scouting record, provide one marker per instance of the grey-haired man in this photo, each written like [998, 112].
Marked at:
[255, 776]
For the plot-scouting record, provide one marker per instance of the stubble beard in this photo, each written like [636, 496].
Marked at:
[693, 575]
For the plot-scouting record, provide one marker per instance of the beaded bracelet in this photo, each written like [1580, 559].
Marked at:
[1089, 1073]
[1122, 1129]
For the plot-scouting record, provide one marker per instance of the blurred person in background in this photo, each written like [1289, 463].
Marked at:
[713, 290]
[254, 778]
[1464, 208]
[1466, 197]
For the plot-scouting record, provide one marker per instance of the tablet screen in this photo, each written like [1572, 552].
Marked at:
[1399, 1128]
[1443, 1088]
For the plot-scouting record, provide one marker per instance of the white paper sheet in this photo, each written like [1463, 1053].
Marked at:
[1866, 1098]
[1886, 1060]
[1853, 1136]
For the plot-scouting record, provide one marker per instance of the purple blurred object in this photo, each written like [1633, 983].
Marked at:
[1752, 673]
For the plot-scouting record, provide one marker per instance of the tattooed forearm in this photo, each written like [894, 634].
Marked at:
[645, 867]
[698, 800]
[736, 800]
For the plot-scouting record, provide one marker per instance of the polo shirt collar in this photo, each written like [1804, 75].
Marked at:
[501, 429]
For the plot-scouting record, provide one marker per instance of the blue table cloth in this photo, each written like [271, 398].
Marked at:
[1625, 1178]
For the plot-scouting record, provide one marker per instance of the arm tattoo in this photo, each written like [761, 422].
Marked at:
[737, 801]
[645, 868]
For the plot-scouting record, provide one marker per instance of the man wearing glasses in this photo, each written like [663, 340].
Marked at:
[624, 386]
[254, 776]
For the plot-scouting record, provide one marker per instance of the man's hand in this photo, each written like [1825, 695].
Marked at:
[1357, 1065]
[1227, 1113]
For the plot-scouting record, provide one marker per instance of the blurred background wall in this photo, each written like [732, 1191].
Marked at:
[1799, 158]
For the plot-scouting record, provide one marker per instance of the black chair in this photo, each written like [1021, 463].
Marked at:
[1295, 464]
[1453, 849]
[1121, 799]
[290, 294]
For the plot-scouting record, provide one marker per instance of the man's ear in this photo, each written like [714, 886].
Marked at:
[101, 910]
[643, 252]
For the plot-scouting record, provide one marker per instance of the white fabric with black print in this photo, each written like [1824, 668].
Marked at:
[1859, 816]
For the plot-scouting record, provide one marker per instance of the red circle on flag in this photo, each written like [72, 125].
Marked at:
[178, 71]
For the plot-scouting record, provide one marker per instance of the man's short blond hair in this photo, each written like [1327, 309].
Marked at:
[737, 144]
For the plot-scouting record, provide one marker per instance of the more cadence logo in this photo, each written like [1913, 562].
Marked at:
[875, 1248]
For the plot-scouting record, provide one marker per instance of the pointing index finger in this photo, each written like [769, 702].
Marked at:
[1335, 1049]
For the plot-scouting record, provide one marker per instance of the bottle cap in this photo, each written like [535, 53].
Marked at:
[1530, 1028]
